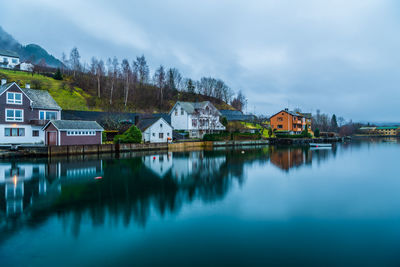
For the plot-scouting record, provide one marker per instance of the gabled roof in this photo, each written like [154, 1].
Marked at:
[63, 125]
[8, 53]
[147, 122]
[191, 107]
[41, 99]
[4, 87]
[289, 112]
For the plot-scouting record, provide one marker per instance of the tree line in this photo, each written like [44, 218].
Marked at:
[129, 85]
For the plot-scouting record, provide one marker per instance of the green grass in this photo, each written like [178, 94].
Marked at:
[67, 99]
[250, 125]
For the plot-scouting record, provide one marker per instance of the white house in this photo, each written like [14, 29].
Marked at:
[155, 130]
[198, 118]
[8, 59]
[26, 66]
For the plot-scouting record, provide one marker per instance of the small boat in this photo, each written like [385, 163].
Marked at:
[390, 140]
[320, 145]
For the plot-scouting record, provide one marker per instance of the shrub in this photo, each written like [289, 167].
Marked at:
[132, 135]
[317, 133]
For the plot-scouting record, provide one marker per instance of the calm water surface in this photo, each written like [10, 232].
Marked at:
[268, 205]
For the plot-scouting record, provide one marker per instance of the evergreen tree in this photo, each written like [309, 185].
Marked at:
[334, 124]
[190, 86]
[58, 75]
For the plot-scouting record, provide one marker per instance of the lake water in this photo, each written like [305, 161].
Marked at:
[264, 205]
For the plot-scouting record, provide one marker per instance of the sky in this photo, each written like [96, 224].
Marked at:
[339, 56]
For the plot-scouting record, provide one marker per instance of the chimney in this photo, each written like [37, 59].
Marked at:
[286, 109]
[3, 81]
[28, 86]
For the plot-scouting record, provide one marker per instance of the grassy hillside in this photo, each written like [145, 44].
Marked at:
[66, 96]
[74, 98]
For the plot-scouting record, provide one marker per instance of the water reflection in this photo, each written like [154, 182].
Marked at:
[129, 188]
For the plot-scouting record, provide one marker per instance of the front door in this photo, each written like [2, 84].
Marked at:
[52, 138]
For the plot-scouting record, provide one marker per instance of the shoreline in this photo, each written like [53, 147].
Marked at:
[54, 151]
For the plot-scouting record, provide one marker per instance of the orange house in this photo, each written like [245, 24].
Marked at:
[288, 121]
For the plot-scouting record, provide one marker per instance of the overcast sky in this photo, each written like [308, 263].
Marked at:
[337, 56]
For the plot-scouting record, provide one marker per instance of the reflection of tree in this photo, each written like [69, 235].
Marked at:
[130, 192]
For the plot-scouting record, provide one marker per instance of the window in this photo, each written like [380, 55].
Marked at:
[14, 98]
[182, 112]
[14, 60]
[167, 134]
[81, 133]
[47, 115]
[14, 115]
[161, 135]
[194, 122]
[176, 112]
[14, 131]
[160, 125]
[280, 126]
[280, 119]
[35, 133]
[154, 134]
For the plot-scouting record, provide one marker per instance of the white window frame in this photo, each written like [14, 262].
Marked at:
[14, 120]
[81, 133]
[13, 102]
[45, 113]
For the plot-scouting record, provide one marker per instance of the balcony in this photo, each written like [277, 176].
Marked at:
[38, 122]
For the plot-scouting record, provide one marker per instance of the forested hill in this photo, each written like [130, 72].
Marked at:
[70, 96]
[31, 52]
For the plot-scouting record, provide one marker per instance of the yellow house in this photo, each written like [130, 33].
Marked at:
[387, 131]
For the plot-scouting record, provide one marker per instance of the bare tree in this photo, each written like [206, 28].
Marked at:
[142, 69]
[239, 102]
[126, 73]
[159, 81]
[112, 67]
[74, 58]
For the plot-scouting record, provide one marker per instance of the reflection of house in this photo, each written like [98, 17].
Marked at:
[21, 182]
[290, 158]
[23, 112]
[159, 164]
[288, 121]
[24, 185]
[155, 130]
[197, 118]
[195, 164]
[8, 59]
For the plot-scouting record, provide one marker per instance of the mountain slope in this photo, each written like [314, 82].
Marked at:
[30, 52]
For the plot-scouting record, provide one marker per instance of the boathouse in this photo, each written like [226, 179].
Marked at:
[66, 132]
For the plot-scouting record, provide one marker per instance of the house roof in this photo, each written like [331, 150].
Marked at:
[8, 53]
[289, 112]
[41, 99]
[190, 107]
[235, 115]
[75, 125]
[147, 122]
[4, 87]
[387, 128]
